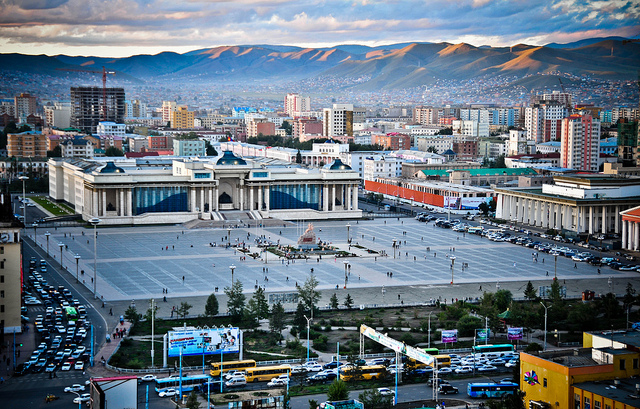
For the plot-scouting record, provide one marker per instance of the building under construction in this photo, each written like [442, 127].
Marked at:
[90, 105]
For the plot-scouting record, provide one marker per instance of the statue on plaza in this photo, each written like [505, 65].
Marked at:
[308, 239]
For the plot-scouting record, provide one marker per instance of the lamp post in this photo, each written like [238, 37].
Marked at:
[229, 235]
[308, 325]
[77, 257]
[153, 329]
[35, 234]
[61, 245]
[429, 333]
[453, 260]
[610, 282]
[555, 266]
[557, 335]
[348, 228]
[24, 202]
[346, 264]
[47, 234]
[394, 248]
[232, 267]
[94, 221]
[545, 324]
[205, 341]
[412, 206]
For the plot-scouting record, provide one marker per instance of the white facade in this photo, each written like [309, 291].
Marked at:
[517, 142]
[429, 130]
[58, 115]
[338, 120]
[295, 104]
[536, 117]
[548, 147]
[77, 148]
[111, 128]
[440, 142]
[580, 143]
[471, 128]
[379, 166]
[168, 108]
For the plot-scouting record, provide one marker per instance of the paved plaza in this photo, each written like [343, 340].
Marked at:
[138, 263]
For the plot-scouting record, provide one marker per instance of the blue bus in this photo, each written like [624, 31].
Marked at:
[491, 389]
[189, 382]
[500, 348]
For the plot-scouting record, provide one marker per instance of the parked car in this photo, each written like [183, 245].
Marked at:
[167, 393]
[386, 392]
[85, 397]
[148, 378]
[446, 389]
[66, 366]
[236, 382]
[276, 382]
[74, 388]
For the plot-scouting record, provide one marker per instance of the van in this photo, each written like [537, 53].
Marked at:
[236, 382]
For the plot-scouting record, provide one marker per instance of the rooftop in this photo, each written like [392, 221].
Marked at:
[623, 390]
[483, 172]
[631, 338]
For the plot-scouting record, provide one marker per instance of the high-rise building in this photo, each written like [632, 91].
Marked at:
[58, 115]
[30, 144]
[25, 106]
[88, 107]
[182, 118]
[542, 120]
[168, 108]
[338, 120]
[10, 272]
[294, 104]
[425, 115]
[562, 97]
[628, 141]
[580, 143]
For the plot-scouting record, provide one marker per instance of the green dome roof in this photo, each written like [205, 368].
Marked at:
[229, 158]
[337, 165]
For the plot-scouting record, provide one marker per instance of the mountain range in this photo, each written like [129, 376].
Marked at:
[392, 66]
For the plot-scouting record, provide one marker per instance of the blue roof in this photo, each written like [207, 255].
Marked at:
[111, 168]
[337, 165]
[229, 158]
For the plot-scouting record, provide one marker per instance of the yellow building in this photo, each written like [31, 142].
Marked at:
[549, 379]
[182, 118]
[30, 144]
[613, 394]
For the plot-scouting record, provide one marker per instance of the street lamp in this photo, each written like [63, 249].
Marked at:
[429, 333]
[94, 221]
[229, 235]
[47, 234]
[77, 257]
[35, 234]
[346, 263]
[24, 202]
[545, 324]
[557, 335]
[453, 260]
[394, 248]
[308, 325]
[555, 266]
[348, 227]
[411, 205]
[232, 267]
[610, 282]
[61, 245]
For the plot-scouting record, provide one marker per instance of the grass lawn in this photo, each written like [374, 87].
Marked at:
[57, 209]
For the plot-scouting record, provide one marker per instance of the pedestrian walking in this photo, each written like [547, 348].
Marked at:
[575, 265]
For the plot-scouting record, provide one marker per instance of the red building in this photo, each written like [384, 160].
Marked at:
[392, 141]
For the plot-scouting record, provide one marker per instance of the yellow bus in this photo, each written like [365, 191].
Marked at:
[266, 373]
[372, 372]
[231, 365]
[443, 360]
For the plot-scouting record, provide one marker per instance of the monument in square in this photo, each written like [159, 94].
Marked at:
[307, 241]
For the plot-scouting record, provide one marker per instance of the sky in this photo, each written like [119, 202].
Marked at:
[119, 28]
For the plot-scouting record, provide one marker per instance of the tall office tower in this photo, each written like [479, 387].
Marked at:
[25, 106]
[168, 108]
[88, 107]
[294, 104]
[338, 120]
[580, 143]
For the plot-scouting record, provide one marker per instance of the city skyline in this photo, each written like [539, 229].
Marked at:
[128, 27]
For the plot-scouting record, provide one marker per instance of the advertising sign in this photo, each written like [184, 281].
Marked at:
[449, 336]
[482, 334]
[415, 353]
[464, 203]
[514, 333]
[195, 341]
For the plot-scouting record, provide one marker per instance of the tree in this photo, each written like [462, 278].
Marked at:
[287, 127]
[276, 320]
[530, 292]
[629, 296]
[299, 321]
[308, 293]
[261, 304]
[298, 157]
[338, 391]
[432, 149]
[250, 315]
[467, 326]
[183, 309]
[503, 299]
[445, 131]
[508, 401]
[372, 399]
[131, 315]
[348, 301]
[484, 208]
[148, 315]
[211, 308]
[113, 151]
[211, 151]
[333, 302]
[192, 401]
[55, 152]
[235, 302]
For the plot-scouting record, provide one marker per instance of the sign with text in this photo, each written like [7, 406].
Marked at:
[195, 341]
[415, 353]
[514, 333]
[449, 336]
[482, 334]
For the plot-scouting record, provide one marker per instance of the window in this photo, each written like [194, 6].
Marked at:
[623, 364]
[2, 308]
[596, 404]
[1, 279]
[544, 382]
[635, 363]
[587, 403]
[576, 400]
[606, 406]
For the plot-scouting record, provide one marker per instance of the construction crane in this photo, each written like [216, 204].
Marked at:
[104, 73]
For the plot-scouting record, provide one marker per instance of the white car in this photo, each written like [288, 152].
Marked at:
[314, 368]
[74, 388]
[463, 369]
[66, 366]
[298, 369]
[85, 397]
[148, 378]
[386, 392]
[511, 363]
[234, 374]
[79, 365]
[168, 392]
[487, 368]
[275, 382]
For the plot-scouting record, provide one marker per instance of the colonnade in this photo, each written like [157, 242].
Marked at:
[630, 235]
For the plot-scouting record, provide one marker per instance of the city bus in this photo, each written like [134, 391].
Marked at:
[499, 348]
[189, 383]
[227, 366]
[442, 360]
[72, 314]
[372, 372]
[431, 351]
[491, 389]
[266, 373]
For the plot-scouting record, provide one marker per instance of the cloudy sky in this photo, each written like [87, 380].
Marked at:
[119, 28]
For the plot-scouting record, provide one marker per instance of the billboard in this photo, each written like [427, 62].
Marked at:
[415, 353]
[465, 203]
[196, 341]
[514, 333]
[121, 392]
[449, 336]
[482, 334]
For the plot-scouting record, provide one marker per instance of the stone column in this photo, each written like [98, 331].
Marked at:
[241, 197]
[104, 202]
[604, 220]
[216, 199]
[201, 198]
[192, 199]
[616, 223]
[624, 234]
[250, 198]
[94, 199]
[332, 202]
[354, 200]
[348, 196]
[130, 201]
[512, 208]
[568, 213]
[636, 236]
[267, 198]
[210, 199]
[259, 197]
[590, 220]
[325, 198]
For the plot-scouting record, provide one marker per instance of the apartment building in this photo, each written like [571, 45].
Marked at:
[168, 108]
[339, 120]
[380, 166]
[305, 128]
[580, 143]
[77, 148]
[257, 126]
[542, 121]
[58, 115]
[10, 268]
[88, 107]
[294, 104]
[25, 106]
[182, 118]
[111, 128]
[30, 144]
[392, 141]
